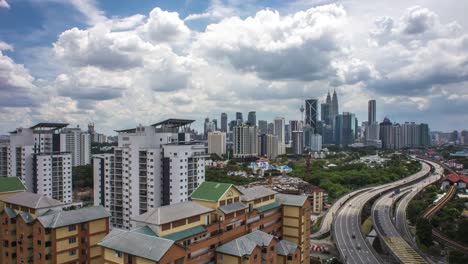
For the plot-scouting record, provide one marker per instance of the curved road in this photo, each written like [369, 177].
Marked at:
[347, 225]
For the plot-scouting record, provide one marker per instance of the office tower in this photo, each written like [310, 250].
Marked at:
[221, 216]
[217, 143]
[463, 136]
[268, 146]
[245, 141]
[371, 112]
[239, 117]
[308, 131]
[262, 126]
[334, 108]
[152, 166]
[78, 143]
[206, 126]
[38, 157]
[311, 112]
[345, 129]
[252, 118]
[215, 125]
[232, 124]
[316, 142]
[271, 128]
[325, 113]
[287, 133]
[297, 142]
[36, 230]
[224, 122]
[327, 135]
[295, 125]
[386, 134]
[280, 132]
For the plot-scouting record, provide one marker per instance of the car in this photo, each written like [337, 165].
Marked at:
[353, 236]
[358, 246]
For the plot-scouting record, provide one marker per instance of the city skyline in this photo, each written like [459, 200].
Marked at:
[121, 65]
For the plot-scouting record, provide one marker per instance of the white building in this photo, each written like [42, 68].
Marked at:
[152, 166]
[245, 141]
[279, 131]
[217, 143]
[35, 155]
[316, 142]
[78, 143]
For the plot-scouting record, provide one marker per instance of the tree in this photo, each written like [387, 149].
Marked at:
[457, 257]
[424, 232]
[462, 233]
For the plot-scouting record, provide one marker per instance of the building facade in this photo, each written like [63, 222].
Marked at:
[152, 166]
[78, 143]
[217, 143]
[245, 141]
[297, 142]
[311, 112]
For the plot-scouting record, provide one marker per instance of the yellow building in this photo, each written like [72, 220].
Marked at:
[35, 229]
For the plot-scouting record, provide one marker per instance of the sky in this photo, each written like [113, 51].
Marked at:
[123, 63]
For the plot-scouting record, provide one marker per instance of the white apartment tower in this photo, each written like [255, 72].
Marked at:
[35, 155]
[245, 141]
[152, 166]
[78, 143]
[217, 143]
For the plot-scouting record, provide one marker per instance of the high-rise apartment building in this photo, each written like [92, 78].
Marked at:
[38, 157]
[372, 112]
[280, 132]
[4, 149]
[152, 166]
[35, 230]
[224, 122]
[217, 143]
[221, 224]
[252, 118]
[345, 129]
[287, 133]
[407, 135]
[297, 142]
[262, 127]
[78, 143]
[268, 146]
[245, 141]
[271, 128]
[311, 111]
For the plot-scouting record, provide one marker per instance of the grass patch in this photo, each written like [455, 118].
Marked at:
[366, 227]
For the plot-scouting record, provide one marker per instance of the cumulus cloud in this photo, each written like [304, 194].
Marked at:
[216, 10]
[299, 46]
[164, 26]
[4, 4]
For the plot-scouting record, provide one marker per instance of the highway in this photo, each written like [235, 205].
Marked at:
[346, 230]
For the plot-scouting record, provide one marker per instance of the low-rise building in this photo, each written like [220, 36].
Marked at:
[9, 186]
[216, 216]
[35, 229]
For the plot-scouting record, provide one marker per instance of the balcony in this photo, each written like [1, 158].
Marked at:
[265, 220]
[202, 258]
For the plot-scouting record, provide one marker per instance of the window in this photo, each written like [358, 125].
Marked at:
[165, 227]
[72, 252]
[39, 242]
[71, 228]
[72, 240]
[194, 219]
[118, 254]
[221, 203]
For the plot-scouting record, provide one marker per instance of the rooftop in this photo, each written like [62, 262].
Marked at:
[292, 200]
[52, 126]
[245, 245]
[174, 122]
[32, 200]
[211, 191]
[286, 248]
[456, 178]
[252, 193]
[11, 184]
[173, 212]
[233, 207]
[65, 218]
[137, 243]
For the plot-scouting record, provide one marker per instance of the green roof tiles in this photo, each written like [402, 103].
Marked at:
[268, 207]
[11, 184]
[210, 191]
[185, 233]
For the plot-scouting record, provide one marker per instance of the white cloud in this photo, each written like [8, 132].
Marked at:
[216, 10]
[164, 26]
[4, 4]
[89, 9]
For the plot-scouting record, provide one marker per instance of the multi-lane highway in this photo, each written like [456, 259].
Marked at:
[346, 229]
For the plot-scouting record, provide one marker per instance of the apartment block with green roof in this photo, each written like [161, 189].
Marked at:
[10, 186]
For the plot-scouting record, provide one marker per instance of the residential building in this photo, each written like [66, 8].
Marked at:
[252, 118]
[271, 129]
[217, 143]
[4, 149]
[317, 200]
[280, 132]
[224, 122]
[36, 230]
[245, 141]
[297, 142]
[287, 133]
[152, 166]
[205, 229]
[78, 143]
[38, 157]
[268, 146]
[10, 186]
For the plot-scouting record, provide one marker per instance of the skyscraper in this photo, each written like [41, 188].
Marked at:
[371, 112]
[280, 132]
[239, 117]
[334, 109]
[297, 142]
[287, 133]
[268, 146]
[224, 122]
[262, 126]
[215, 124]
[311, 111]
[325, 113]
[294, 124]
[345, 129]
[245, 141]
[252, 118]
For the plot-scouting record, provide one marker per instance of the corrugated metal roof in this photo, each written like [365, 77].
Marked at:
[252, 193]
[286, 248]
[289, 199]
[32, 200]
[245, 245]
[186, 233]
[173, 212]
[10, 212]
[65, 218]
[210, 191]
[234, 207]
[26, 217]
[268, 207]
[137, 244]
[11, 184]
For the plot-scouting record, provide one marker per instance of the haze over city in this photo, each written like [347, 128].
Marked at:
[118, 65]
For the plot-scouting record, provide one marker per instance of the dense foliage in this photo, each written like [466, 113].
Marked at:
[346, 176]
[424, 232]
[220, 175]
[82, 177]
